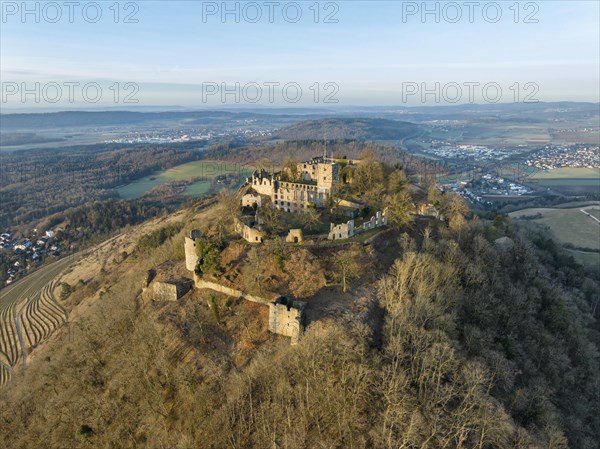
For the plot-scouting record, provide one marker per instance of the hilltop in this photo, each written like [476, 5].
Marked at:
[453, 332]
[349, 128]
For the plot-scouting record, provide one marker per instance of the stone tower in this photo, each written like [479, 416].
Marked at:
[191, 257]
[286, 317]
[327, 174]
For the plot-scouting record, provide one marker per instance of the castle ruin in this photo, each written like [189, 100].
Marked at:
[347, 230]
[309, 186]
[191, 256]
[287, 317]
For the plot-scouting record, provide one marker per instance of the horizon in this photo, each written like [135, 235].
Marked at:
[267, 108]
[336, 53]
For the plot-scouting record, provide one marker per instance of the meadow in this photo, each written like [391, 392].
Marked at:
[567, 176]
[202, 172]
[571, 226]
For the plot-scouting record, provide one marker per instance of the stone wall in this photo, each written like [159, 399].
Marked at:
[427, 210]
[380, 219]
[262, 182]
[286, 317]
[201, 283]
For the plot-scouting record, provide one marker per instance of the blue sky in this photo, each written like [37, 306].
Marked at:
[371, 53]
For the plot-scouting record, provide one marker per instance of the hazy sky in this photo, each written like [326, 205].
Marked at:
[370, 53]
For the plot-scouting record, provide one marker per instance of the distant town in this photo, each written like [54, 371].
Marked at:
[249, 130]
[481, 189]
[468, 152]
[575, 156]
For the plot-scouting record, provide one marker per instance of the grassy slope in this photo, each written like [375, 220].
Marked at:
[568, 225]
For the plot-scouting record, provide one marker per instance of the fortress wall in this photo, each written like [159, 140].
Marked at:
[201, 283]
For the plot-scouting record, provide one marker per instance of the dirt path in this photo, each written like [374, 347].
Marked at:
[590, 215]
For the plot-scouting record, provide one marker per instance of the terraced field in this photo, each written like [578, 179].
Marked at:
[40, 316]
[29, 313]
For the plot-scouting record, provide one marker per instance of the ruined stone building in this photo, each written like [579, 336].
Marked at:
[294, 236]
[341, 231]
[171, 289]
[347, 230]
[311, 186]
[249, 230]
[287, 317]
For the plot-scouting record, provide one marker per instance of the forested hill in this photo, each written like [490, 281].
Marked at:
[349, 128]
[482, 344]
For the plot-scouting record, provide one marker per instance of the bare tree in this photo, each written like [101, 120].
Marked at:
[347, 266]
[228, 210]
[305, 272]
[290, 170]
[399, 209]
[368, 176]
[310, 219]
[397, 181]
[270, 217]
[254, 270]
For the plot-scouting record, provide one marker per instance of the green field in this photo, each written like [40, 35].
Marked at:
[594, 211]
[570, 226]
[568, 176]
[586, 259]
[203, 171]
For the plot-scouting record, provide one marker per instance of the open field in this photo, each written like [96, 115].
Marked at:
[202, 172]
[505, 133]
[569, 225]
[585, 258]
[567, 176]
[568, 173]
[595, 212]
[585, 135]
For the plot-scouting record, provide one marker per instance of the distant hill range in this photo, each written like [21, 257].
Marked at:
[106, 118]
[312, 122]
[349, 128]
